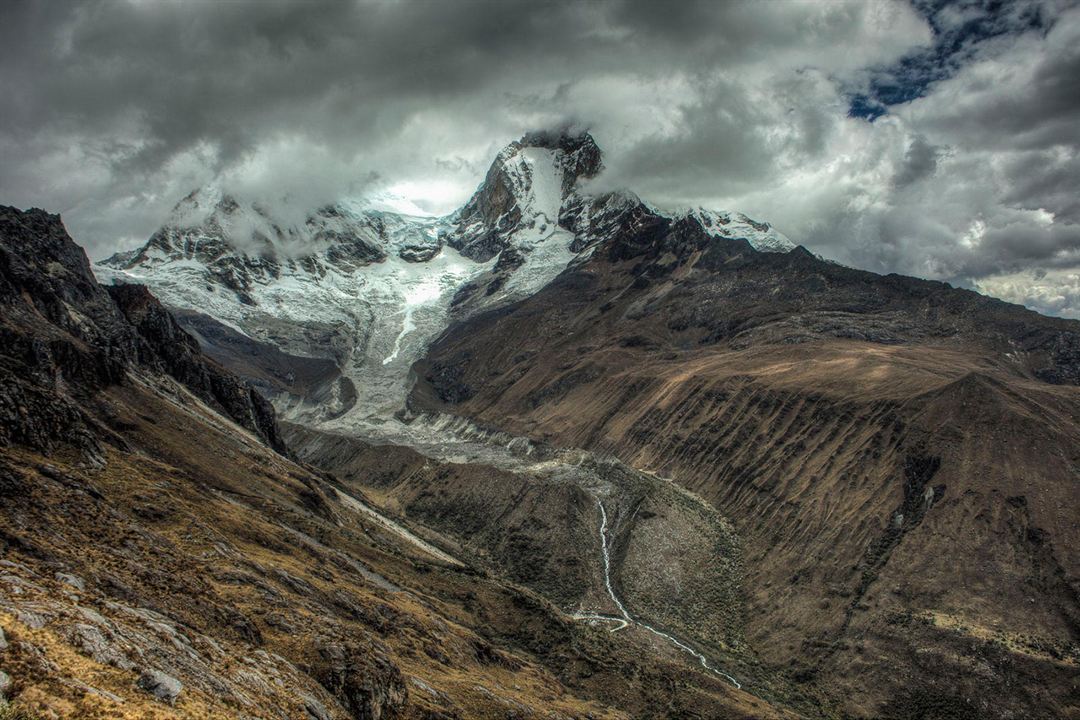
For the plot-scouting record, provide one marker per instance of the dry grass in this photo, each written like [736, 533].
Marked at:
[12, 712]
[199, 506]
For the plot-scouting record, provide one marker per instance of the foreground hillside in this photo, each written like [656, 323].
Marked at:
[164, 557]
[900, 459]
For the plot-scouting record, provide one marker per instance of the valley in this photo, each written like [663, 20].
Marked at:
[162, 560]
[558, 454]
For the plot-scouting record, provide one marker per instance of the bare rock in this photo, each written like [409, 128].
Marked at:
[92, 642]
[363, 680]
[72, 580]
[164, 687]
[315, 709]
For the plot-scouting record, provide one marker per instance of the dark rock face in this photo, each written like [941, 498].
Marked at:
[348, 251]
[65, 336]
[364, 680]
[582, 154]
[596, 219]
[58, 328]
[419, 253]
[495, 211]
[167, 347]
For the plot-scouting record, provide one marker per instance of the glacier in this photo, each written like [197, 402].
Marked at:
[369, 282]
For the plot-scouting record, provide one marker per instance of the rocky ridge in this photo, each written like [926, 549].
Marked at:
[63, 334]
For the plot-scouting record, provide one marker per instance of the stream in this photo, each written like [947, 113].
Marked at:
[627, 619]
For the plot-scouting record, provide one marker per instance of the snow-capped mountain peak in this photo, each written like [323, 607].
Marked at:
[526, 186]
[368, 282]
[762, 236]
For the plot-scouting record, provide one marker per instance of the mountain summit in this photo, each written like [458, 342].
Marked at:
[364, 289]
[525, 188]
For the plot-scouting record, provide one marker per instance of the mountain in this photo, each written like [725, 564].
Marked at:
[64, 333]
[364, 288]
[898, 457]
[643, 462]
[164, 555]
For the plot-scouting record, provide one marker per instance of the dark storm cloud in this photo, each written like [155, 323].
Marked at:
[920, 161]
[114, 110]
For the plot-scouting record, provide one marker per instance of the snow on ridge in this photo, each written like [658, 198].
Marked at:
[544, 195]
[762, 236]
[368, 281]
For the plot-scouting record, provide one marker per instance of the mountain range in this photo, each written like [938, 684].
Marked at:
[558, 454]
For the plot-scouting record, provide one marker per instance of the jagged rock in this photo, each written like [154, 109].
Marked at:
[364, 680]
[419, 253]
[5, 683]
[71, 580]
[514, 190]
[315, 709]
[164, 687]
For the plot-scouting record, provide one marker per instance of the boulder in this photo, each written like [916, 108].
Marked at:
[315, 709]
[164, 687]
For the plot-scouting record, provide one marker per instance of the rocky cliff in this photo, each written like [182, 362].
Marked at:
[66, 335]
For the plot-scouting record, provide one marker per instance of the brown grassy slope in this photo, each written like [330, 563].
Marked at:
[206, 556]
[904, 482]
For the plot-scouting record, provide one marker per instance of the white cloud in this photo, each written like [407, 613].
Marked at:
[119, 110]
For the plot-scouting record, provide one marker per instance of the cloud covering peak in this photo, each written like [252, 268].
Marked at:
[966, 170]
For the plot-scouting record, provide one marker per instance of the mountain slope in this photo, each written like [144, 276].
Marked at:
[898, 457]
[160, 559]
[62, 330]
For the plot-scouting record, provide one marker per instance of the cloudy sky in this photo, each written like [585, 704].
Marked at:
[939, 139]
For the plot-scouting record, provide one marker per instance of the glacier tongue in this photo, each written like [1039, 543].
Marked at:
[409, 305]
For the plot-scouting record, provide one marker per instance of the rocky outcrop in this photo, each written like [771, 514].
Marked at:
[508, 197]
[65, 337]
[165, 346]
[363, 680]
